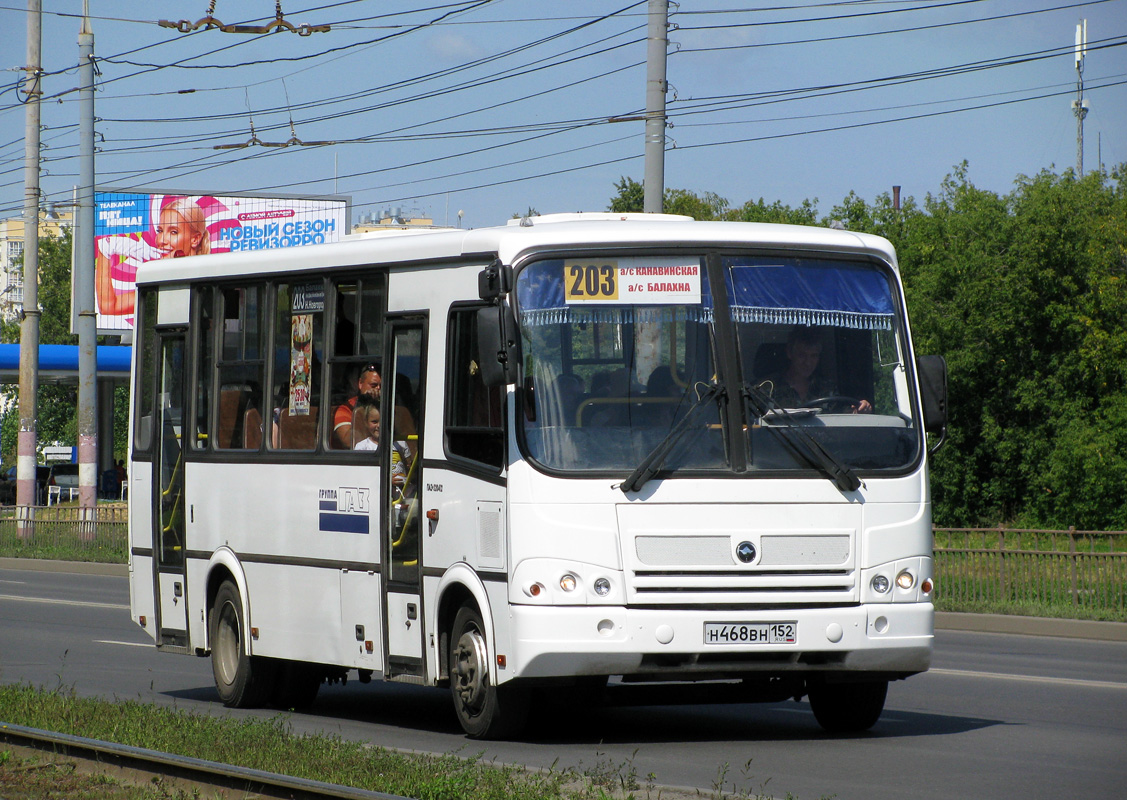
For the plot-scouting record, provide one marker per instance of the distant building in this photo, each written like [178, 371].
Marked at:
[390, 218]
[11, 261]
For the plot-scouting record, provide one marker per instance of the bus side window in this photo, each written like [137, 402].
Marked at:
[357, 328]
[146, 363]
[239, 402]
[474, 412]
[298, 348]
[204, 332]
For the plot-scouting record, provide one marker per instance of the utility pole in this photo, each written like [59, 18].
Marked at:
[26, 458]
[1080, 105]
[657, 48]
[83, 277]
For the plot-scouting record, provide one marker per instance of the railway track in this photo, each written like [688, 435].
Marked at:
[151, 763]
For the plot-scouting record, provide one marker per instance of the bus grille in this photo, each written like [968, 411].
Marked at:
[788, 570]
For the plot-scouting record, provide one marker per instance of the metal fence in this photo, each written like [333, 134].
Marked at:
[1046, 568]
[1066, 572]
[65, 532]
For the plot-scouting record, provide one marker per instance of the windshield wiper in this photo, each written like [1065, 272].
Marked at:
[651, 464]
[811, 451]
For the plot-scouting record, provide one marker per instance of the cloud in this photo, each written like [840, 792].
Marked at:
[451, 47]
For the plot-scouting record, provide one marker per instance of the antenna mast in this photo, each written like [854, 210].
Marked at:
[1080, 105]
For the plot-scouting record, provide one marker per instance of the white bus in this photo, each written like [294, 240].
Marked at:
[618, 453]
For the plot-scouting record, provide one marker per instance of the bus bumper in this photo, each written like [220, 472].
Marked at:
[549, 642]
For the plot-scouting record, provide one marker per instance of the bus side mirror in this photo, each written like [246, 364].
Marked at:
[498, 347]
[932, 374]
[494, 281]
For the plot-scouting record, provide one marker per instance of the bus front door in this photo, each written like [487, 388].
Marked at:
[168, 504]
[401, 496]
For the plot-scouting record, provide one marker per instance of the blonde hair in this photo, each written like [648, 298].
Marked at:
[192, 216]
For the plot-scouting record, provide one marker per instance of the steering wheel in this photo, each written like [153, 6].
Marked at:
[834, 403]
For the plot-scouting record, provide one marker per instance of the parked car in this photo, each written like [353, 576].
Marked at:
[65, 476]
[8, 485]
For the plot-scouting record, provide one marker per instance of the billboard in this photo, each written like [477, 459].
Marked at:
[131, 228]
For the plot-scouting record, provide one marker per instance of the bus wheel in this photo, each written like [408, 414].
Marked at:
[485, 711]
[241, 680]
[297, 686]
[847, 707]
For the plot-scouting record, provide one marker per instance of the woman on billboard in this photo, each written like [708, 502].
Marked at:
[180, 231]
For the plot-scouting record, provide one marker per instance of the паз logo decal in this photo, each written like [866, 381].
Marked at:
[344, 510]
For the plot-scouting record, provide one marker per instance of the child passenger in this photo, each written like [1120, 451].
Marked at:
[366, 423]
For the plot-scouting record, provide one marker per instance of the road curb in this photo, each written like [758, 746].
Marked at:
[1031, 626]
[70, 567]
[944, 620]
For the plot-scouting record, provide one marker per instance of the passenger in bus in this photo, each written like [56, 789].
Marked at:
[401, 461]
[366, 423]
[405, 400]
[368, 383]
[801, 382]
[610, 391]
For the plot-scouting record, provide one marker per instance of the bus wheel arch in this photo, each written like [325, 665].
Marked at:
[459, 586]
[225, 566]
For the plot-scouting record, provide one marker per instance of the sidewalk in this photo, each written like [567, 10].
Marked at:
[944, 620]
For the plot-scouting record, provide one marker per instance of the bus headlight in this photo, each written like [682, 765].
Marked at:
[602, 587]
[880, 584]
[567, 582]
[905, 580]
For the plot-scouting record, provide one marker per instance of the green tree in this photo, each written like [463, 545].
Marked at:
[57, 405]
[777, 212]
[1025, 294]
[630, 197]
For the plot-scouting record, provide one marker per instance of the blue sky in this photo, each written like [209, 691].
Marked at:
[495, 107]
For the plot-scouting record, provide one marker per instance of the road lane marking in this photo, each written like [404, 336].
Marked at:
[52, 601]
[1029, 678]
[126, 644]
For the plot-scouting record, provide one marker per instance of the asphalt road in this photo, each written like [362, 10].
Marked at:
[998, 716]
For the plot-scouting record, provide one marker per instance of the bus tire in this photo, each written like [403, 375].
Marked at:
[296, 686]
[242, 681]
[485, 711]
[847, 707]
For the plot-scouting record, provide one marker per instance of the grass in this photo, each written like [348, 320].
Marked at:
[271, 745]
[1030, 608]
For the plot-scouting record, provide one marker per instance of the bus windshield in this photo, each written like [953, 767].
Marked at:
[619, 350]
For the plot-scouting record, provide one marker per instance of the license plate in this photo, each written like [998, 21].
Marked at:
[750, 632]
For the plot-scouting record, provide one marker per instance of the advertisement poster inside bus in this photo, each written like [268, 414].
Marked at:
[131, 228]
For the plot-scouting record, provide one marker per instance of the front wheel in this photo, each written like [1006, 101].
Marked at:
[485, 711]
[847, 707]
[242, 681]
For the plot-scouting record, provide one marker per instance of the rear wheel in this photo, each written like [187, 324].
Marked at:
[242, 681]
[485, 711]
[297, 685]
[847, 707]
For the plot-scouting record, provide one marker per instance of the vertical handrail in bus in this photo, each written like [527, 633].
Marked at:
[180, 495]
[414, 501]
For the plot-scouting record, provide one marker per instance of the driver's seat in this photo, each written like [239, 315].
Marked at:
[770, 359]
